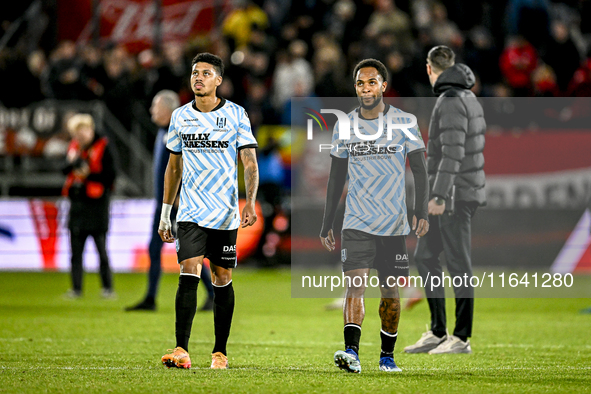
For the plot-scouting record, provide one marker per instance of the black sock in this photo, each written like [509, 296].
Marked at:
[223, 309]
[439, 334]
[388, 343]
[352, 336]
[185, 307]
[463, 338]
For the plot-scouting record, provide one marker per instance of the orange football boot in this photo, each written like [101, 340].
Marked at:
[219, 361]
[179, 358]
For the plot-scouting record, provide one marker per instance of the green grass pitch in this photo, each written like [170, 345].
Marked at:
[277, 344]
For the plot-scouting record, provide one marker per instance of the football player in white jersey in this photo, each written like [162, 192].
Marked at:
[204, 139]
[375, 223]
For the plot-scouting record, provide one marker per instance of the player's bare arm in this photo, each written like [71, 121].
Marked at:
[328, 242]
[251, 180]
[422, 228]
[334, 190]
[418, 166]
[172, 180]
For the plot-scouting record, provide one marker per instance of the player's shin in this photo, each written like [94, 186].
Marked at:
[223, 310]
[390, 316]
[185, 307]
[352, 333]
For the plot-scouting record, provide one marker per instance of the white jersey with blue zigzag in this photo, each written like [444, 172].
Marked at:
[209, 143]
[376, 197]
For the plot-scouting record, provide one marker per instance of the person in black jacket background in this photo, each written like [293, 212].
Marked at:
[90, 176]
[455, 165]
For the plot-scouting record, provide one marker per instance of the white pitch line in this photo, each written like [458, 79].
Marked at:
[307, 344]
[528, 346]
[110, 340]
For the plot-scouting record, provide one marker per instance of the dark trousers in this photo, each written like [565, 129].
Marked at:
[155, 252]
[77, 241]
[449, 234]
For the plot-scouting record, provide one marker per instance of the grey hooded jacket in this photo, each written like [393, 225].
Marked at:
[456, 138]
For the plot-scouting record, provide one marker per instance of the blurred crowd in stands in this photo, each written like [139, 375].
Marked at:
[276, 49]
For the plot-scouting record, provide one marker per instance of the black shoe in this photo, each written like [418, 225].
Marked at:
[142, 306]
[207, 306]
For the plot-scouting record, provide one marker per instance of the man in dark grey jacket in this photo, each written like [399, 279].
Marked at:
[456, 177]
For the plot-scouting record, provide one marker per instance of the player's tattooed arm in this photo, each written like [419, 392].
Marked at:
[251, 180]
[251, 173]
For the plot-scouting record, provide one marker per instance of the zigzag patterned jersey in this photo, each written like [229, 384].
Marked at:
[376, 197]
[209, 143]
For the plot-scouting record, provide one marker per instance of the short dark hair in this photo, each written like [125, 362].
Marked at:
[212, 59]
[382, 70]
[441, 57]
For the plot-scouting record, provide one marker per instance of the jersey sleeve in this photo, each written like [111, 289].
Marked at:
[339, 149]
[174, 142]
[245, 138]
[414, 145]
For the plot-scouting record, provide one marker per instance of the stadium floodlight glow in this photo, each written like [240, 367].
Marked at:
[402, 121]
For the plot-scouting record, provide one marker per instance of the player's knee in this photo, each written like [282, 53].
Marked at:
[221, 280]
[389, 286]
[221, 276]
[355, 291]
[389, 292]
[192, 266]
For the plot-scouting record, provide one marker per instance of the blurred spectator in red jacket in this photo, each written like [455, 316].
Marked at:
[544, 82]
[580, 85]
[90, 178]
[518, 60]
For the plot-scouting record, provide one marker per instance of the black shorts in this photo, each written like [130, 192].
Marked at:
[387, 255]
[219, 246]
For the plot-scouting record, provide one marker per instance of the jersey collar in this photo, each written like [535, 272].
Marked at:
[220, 105]
[386, 109]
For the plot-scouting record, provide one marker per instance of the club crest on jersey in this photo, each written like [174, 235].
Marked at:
[343, 255]
[221, 122]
